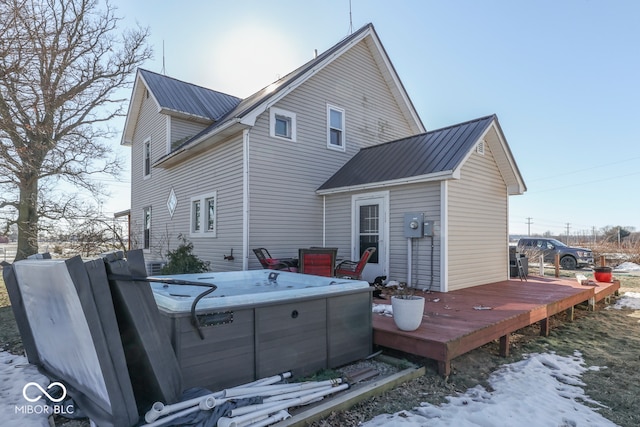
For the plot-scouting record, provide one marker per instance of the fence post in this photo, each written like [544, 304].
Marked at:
[542, 265]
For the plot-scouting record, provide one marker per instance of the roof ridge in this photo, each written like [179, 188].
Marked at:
[463, 123]
[432, 131]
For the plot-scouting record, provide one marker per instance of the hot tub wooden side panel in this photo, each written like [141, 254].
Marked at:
[349, 330]
[291, 337]
[301, 335]
[224, 358]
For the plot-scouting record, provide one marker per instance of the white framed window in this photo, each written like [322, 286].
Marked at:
[146, 158]
[204, 210]
[335, 128]
[282, 124]
[146, 227]
[210, 214]
[196, 211]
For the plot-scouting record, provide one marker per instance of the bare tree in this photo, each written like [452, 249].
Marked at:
[62, 63]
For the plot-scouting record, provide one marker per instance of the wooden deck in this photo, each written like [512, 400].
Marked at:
[451, 326]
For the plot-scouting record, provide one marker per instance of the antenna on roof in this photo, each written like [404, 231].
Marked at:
[163, 70]
[350, 19]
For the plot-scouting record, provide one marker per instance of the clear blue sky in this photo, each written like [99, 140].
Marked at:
[562, 76]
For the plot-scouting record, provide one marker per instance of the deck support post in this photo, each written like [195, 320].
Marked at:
[545, 327]
[570, 313]
[591, 304]
[444, 367]
[505, 345]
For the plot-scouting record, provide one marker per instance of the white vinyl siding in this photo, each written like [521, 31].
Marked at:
[221, 166]
[151, 127]
[182, 130]
[420, 198]
[478, 224]
[423, 198]
[285, 212]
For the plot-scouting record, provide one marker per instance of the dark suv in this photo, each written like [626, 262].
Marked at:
[570, 257]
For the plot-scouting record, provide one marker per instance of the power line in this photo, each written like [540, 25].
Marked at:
[587, 169]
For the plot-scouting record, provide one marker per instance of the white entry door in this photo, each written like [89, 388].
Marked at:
[370, 229]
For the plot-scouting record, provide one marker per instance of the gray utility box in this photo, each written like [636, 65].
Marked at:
[513, 264]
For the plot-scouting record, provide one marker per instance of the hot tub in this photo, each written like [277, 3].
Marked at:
[263, 322]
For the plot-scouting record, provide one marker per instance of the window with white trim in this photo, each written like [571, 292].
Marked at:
[282, 124]
[335, 128]
[203, 215]
[146, 158]
[146, 227]
[196, 210]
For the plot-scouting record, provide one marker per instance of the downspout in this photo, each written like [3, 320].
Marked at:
[245, 199]
[409, 259]
[324, 221]
[444, 236]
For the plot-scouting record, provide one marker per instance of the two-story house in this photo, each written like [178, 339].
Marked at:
[333, 154]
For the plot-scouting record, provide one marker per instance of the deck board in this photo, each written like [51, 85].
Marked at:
[451, 326]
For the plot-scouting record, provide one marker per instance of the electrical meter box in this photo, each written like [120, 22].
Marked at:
[413, 224]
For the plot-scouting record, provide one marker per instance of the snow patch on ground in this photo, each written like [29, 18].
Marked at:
[15, 373]
[542, 390]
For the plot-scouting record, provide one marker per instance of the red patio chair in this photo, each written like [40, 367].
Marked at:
[317, 261]
[353, 269]
[268, 262]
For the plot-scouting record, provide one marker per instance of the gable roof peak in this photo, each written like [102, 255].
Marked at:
[188, 99]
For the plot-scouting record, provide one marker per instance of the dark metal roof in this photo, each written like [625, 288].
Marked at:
[188, 98]
[434, 152]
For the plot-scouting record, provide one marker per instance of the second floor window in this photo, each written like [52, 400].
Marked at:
[335, 128]
[282, 124]
[147, 158]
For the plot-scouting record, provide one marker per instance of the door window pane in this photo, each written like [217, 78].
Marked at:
[370, 230]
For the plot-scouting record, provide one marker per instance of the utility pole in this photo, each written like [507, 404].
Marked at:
[529, 222]
[568, 226]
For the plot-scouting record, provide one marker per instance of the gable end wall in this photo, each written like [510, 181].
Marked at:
[478, 224]
[285, 212]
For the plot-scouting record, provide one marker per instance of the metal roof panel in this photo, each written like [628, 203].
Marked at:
[187, 98]
[428, 153]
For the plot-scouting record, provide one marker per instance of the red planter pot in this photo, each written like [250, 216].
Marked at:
[602, 274]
